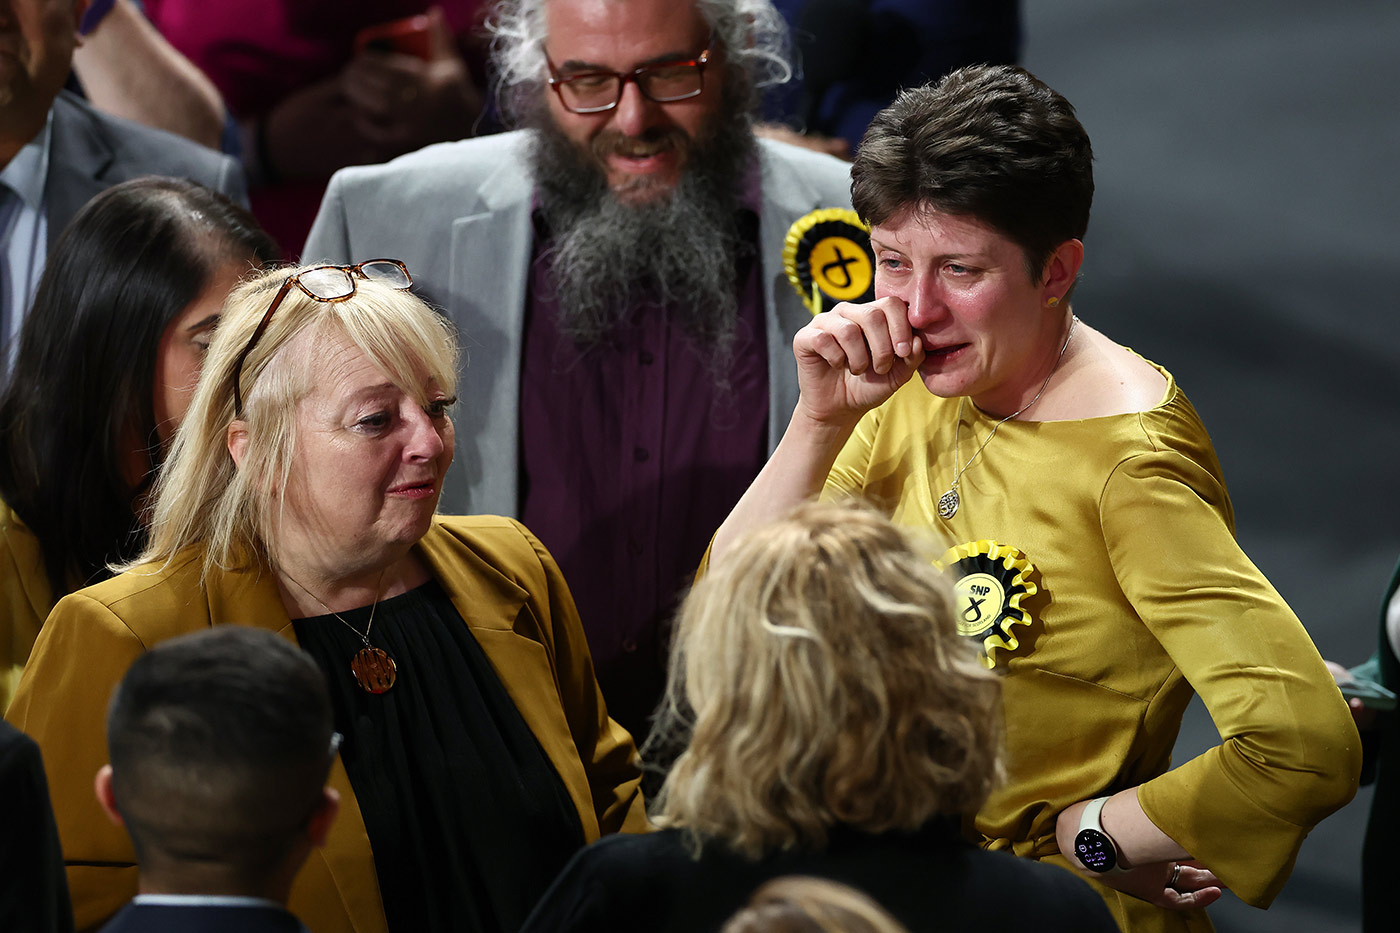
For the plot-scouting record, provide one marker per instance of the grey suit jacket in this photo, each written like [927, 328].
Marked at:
[90, 152]
[458, 214]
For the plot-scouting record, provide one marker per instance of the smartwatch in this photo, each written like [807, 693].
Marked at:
[1094, 847]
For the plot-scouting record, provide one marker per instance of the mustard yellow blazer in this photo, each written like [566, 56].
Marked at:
[502, 581]
[25, 598]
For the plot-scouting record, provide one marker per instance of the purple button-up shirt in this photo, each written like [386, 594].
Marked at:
[630, 459]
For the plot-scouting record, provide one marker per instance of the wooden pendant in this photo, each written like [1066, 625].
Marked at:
[374, 670]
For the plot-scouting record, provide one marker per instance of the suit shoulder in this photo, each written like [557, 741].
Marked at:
[501, 541]
[143, 150]
[829, 175]
[153, 601]
[634, 859]
[16, 748]
[490, 553]
[442, 167]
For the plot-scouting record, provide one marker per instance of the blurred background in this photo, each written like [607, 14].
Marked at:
[1245, 235]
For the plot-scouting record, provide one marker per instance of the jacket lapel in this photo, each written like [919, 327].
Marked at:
[490, 265]
[787, 195]
[491, 604]
[79, 156]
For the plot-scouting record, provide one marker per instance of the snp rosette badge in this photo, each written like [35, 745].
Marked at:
[828, 259]
[990, 582]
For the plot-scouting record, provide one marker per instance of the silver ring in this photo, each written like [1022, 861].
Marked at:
[1176, 873]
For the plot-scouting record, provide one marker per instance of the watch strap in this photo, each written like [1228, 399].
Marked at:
[1091, 820]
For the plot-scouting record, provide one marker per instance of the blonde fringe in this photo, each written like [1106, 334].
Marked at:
[200, 498]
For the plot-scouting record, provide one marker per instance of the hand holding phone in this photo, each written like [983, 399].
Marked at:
[417, 89]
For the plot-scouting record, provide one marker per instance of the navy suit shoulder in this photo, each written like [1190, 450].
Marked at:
[163, 918]
[930, 880]
[90, 151]
[33, 889]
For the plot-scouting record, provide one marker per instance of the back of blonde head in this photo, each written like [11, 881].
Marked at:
[822, 681]
[801, 904]
[200, 497]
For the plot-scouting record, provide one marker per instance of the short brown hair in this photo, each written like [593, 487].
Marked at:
[820, 675]
[220, 743]
[992, 142]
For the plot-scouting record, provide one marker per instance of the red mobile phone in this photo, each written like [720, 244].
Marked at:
[407, 36]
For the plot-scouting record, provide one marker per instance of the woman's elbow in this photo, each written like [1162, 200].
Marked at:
[1328, 774]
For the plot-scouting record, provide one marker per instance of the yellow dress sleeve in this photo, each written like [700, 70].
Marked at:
[847, 476]
[1289, 752]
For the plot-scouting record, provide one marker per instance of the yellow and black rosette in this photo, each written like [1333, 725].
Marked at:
[828, 259]
[991, 582]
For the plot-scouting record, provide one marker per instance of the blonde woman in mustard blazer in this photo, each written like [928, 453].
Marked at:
[300, 498]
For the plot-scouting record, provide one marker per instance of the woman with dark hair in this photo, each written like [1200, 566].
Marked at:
[103, 372]
[1092, 537]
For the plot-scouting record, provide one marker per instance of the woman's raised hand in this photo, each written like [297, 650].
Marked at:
[849, 360]
[853, 357]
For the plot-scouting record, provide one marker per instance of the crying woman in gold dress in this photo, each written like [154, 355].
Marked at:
[1088, 524]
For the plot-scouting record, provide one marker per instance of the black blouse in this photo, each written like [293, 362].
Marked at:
[467, 818]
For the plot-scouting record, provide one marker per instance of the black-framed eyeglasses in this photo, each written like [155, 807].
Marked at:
[599, 91]
[324, 283]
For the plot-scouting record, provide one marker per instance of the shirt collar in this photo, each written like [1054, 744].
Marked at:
[28, 171]
[203, 900]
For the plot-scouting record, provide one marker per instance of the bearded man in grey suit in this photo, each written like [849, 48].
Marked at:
[56, 152]
[615, 271]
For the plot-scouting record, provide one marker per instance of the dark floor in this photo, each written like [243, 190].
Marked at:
[1245, 235]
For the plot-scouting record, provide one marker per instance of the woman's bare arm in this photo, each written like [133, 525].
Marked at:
[128, 69]
[849, 360]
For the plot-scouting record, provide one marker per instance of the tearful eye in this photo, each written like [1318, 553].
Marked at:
[374, 422]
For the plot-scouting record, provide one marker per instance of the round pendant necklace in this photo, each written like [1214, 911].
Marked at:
[374, 670]
[948, 502]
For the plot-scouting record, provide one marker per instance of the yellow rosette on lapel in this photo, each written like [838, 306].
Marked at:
[990, 583]
[828, 259]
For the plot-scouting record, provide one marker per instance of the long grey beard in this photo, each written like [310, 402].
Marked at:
[677, 253]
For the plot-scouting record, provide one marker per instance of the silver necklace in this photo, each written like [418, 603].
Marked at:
[374, 669]
[948, 502]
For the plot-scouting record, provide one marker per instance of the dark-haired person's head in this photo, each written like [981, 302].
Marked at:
[220, 744]
[988, 142]
[107, 360]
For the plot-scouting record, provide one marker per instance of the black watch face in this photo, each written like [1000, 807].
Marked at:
[1095, 850]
